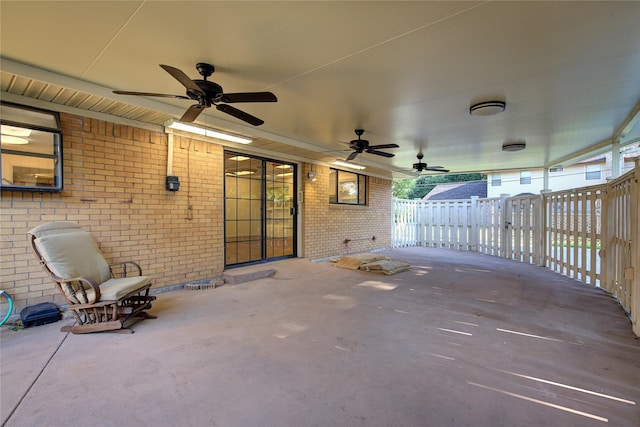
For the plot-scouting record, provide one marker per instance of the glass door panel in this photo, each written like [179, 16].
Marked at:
[259, 209]
[280, 209]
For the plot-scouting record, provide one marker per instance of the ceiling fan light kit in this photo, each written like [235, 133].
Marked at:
[514, 146]
[487, 108]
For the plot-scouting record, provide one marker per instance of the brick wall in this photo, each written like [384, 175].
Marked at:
[327, 226]
[114, 187]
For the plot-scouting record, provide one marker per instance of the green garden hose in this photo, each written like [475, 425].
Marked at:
[8, 297]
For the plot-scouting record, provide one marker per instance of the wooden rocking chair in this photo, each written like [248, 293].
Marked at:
[101, 297]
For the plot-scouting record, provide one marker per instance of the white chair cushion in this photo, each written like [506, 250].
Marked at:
[114, 289]
[57, 227]
[74, 254]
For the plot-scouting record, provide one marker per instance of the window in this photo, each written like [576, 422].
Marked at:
[347, 188]
[30, 149]
[525, 177]
[592, 171]
[556, 169]
[496, 180]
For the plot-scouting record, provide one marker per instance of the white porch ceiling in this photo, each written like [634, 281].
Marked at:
[406, 72]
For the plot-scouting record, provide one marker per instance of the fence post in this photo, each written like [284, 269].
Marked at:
[393, 222]
[505, 232]
[541, 221]
[607, 248]
[420, 223]
[635, 251]
[474, 236]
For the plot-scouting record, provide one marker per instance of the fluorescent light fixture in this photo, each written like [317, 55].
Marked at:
[228, 137]
[240, 173]
[238, 158]
[14, 140]
[174, 124]
[348, 165]
[15, 131]
[280, 175]
[187, 128]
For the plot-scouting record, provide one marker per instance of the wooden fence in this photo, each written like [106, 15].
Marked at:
[590, 234]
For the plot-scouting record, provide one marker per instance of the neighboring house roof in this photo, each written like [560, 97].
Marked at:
[458, 190]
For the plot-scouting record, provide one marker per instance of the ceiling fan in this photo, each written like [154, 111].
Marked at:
[362, 145]
[208, 93]
[423, 166]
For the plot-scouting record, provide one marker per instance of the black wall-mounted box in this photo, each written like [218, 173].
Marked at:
[173, 183]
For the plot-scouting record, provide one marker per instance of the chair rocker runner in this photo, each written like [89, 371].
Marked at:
[101, 297]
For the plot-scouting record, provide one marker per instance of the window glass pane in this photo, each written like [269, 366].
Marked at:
[525, 177]
[347, 187]
[31, 159]
[496, 180]
[244, 209]
[243, 230]
[256, 209]
[256, 189]
[333, 186]
[253, 169]
[30, 117]
[230, 186]
[593, 171]
[362, 190]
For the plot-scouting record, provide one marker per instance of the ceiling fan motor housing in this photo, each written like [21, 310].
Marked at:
[213, 92]
[359, 144]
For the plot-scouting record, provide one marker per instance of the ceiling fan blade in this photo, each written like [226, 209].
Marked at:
[239, 114]
[379, 147]
[352, 156]
[380, 153]
[249, 97]
[192, 113]
[182, 78]
[163, 95]
[436, 169]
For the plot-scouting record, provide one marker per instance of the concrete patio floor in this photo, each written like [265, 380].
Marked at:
[463, 339]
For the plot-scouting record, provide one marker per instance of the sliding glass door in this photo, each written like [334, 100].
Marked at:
[260, 209]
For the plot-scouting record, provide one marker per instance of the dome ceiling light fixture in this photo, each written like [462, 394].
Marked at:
[514, 146]
[487, 108]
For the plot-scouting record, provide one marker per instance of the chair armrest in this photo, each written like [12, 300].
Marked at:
[125, 269]
[75, 290]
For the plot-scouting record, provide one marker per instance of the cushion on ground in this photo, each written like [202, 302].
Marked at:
[387, 267]
[353, 262]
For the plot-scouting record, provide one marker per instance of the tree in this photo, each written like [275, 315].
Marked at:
[418, 188]
[402, 187]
